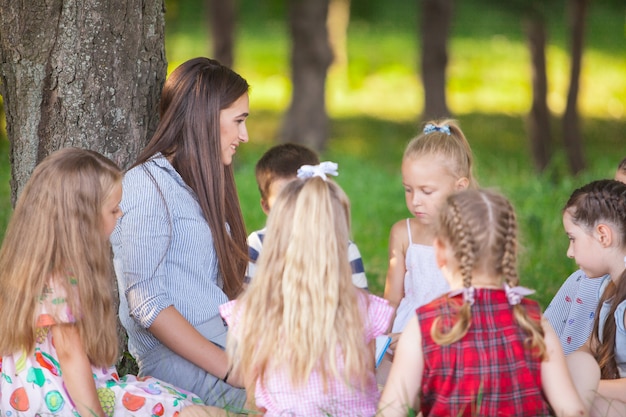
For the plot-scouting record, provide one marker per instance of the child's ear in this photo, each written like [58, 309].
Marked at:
[265, 206]
[462, 183]
[604, 235]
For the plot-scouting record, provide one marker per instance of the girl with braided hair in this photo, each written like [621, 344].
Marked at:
[594, 219]
[481, 349]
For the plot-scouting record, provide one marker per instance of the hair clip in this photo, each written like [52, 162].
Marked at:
[515, 294]
[429, 128]
[321, 170]
[468, 294]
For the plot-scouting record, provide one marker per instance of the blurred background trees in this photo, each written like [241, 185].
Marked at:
[89, 73]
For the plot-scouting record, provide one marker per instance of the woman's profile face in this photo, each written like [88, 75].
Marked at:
[233, 130]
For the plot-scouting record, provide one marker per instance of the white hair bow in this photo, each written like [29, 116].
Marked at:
[469, 294]
[321, 170]
[515, 294]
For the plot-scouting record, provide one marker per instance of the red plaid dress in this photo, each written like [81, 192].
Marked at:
[486, 373]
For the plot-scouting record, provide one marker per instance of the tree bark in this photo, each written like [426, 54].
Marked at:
[435, 29]
[222, 16]
[306, 120]
[82, 73]
[539, 117]
[572, 136]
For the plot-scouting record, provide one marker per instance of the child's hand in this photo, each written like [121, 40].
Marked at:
[394, 340]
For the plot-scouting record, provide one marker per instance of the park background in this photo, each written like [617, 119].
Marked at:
[375, 100]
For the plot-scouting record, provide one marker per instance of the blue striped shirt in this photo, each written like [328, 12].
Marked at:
[572, 310]
[255, 245]
[163, 253]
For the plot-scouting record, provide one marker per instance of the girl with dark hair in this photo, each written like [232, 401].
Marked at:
[180, 249]
[594, 219]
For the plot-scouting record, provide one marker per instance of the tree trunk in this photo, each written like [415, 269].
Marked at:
[572, 136]
[222, 16]
[82, 73]
[306, 121]
[435, 26]
[539, 117]
[338, 21]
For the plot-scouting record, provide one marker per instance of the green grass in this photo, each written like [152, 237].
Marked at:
[376, 100]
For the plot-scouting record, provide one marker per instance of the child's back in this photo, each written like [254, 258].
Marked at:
[302, 334]
[489, 371]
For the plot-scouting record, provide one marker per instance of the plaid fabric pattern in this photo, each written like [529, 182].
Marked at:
[341, 398]
[486, 373]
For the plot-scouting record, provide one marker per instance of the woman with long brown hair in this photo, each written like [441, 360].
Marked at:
[180, 248]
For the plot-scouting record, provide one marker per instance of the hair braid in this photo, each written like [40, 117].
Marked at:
[466, 254]
[481, 227]
[465, 251]
[509, 257]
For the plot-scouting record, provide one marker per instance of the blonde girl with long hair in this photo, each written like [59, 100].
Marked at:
[482, 349]
[302, 335]
[435, 164]
[59, 339]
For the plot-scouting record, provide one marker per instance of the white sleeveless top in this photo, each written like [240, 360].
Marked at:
[423, 281]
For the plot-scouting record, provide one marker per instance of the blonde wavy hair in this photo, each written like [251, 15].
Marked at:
[56, 233]
[480, 227]
[302, 306]
[454, 149]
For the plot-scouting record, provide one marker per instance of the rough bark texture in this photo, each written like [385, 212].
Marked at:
[572, 136]
[83, 73]
[435, 28]
[539, 117]
[222, 14]
[306, 120]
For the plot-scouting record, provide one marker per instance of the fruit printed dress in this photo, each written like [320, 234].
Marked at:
[32, 384]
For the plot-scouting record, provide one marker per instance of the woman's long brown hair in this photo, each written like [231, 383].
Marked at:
[189, 134]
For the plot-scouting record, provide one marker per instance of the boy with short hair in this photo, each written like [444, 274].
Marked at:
[274, 169]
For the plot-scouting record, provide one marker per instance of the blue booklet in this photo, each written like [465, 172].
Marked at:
[382, 343]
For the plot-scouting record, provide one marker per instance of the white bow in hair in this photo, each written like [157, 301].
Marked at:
[515, 294]
[321, 170]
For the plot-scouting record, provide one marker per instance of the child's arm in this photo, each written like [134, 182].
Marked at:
[405, 378]
[394, 283]
[556, 381]
[76, 370]
[613, 388]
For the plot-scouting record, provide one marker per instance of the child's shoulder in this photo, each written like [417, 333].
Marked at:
[400, 229]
